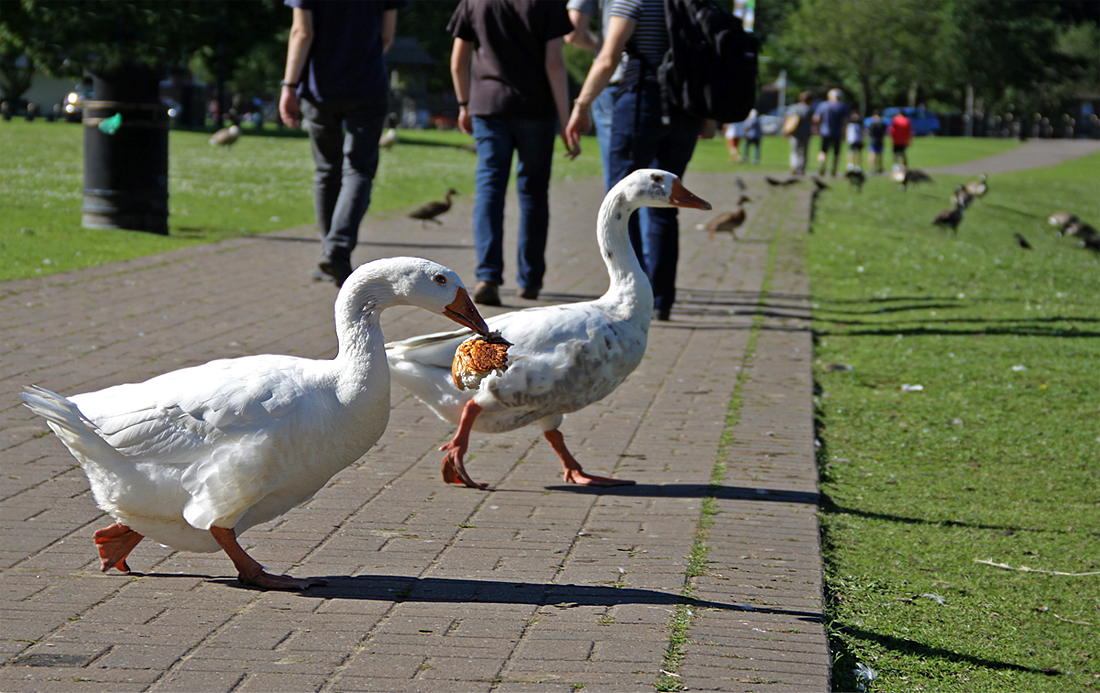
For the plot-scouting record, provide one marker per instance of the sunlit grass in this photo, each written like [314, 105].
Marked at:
[994, 457]
[263, 184]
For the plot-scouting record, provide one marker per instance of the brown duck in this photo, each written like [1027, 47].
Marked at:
[431, 210]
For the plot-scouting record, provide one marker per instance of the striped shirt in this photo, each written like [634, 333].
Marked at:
[650, 38]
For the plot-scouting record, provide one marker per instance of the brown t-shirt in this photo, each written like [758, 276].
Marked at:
[508, 75]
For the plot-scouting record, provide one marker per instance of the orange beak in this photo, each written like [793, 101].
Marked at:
[462, 311]
[682, 197]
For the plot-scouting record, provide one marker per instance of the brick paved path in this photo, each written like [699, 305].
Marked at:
[532, 586]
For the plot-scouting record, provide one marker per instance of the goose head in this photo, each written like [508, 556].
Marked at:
[407, 281]
[651, 187]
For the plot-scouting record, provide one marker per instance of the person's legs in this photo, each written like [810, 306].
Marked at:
[602, 109]
[624, 139]
[494, 165]
[363, 127]
[662, 227]
[836, 154]
[326, 139]
[535, 149]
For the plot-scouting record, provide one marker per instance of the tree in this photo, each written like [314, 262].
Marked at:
[866, 46]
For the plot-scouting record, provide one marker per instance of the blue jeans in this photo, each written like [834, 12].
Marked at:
[497, 138]
[344, 138]
[602, 109]
[652, 145]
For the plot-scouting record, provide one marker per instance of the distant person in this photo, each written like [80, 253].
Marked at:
[336, 78]
[854, 138]
[581, 13]
[640, 137]
[733, 134]
[901, 132]
[754, 133]
[510, 80]
[830, 117]
[800, 132]
[876, 133]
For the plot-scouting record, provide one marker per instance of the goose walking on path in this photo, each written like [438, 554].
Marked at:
[431, 210]
[194, 457]
[563, 358]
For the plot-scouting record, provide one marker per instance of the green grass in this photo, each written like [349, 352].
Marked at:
[996, 458]
[264, 184]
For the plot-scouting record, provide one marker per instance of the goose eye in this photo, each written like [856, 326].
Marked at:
[657, 178]
[440, 279]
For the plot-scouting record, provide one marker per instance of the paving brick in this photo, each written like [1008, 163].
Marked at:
[531, 586]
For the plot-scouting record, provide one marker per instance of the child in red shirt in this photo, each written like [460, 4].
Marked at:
[901, 132]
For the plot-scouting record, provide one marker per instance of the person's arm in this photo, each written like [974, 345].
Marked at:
[559, 86]
[582, 36]
[301, 39]
[461, 56]
[619, 31]
[389, 28]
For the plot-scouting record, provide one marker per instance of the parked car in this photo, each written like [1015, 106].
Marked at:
[73, 105]
[924, 121]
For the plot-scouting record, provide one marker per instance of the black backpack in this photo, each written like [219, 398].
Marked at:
[710, 67]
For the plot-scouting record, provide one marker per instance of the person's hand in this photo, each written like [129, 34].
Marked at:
[578, 125]
[465, 121]
[572, 151]
[290, 110]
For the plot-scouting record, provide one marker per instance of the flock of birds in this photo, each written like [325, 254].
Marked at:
[194, 457]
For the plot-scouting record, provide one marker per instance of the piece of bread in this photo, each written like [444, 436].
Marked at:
[477, 357]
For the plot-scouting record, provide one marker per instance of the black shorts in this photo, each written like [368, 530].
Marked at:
[855, 146]
[828, 143]
[900, 148]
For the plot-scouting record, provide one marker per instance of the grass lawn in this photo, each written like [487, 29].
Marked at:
[995, 455]
[264, 184]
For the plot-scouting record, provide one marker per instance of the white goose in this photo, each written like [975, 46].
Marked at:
[564, 357]
[194, 457]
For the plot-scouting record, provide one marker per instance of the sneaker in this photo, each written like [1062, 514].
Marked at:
[662, 314]
[337, 268]
[487, 294]
[529, 294]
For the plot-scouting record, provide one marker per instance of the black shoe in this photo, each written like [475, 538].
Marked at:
[487, 294]
[529, 294]
[662, 314]
[318, 276]
[338, 269]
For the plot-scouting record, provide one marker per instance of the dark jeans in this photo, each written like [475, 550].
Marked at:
[533, 140]
[652, 145]
[344, 137]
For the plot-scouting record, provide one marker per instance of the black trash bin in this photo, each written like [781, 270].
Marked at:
[126, 173]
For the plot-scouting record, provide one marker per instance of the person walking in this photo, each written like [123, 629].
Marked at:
[830, 117]
[510, 80]
[876, 133]
[800, 117]
[335, 78]
[639, 137]
[581, 13]
[754, 134]
[901, 132]
[854, 138]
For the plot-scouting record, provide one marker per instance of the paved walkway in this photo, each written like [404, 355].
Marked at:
[531, 586]
[1030, 154]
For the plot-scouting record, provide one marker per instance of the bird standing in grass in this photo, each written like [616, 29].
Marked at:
[431, 210]
[950, 218]
[856, 178]
[961, 198]
[1063, 220]
[226, 136]
[905, 176]
[977, 188]
[388, 139]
